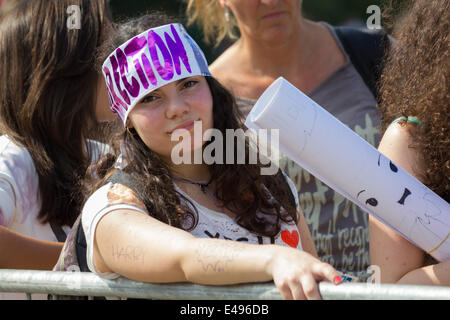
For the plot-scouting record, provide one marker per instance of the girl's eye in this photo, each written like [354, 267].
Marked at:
[149, 98]
[189, 84]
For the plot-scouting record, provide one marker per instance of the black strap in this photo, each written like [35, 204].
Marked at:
[126, 179]
[366, 49]
[285, 186]
[81, 252]
[291, 197]
[289, 191]
[59, 232]
[123, 178]
[130, 180]
[81, 249]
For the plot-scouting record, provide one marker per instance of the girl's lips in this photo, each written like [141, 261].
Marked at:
[188, 125]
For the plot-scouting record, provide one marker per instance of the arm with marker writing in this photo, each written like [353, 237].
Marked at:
[399, 260]
[141, 248]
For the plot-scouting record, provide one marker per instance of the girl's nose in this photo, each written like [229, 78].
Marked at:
[177, 107]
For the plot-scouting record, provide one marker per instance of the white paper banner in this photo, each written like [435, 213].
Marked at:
[328, 149]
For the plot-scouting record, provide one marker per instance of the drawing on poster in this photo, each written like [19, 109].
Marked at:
[425, 218]
[333, 153]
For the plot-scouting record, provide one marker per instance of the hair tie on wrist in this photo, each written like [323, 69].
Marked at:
[409, 119]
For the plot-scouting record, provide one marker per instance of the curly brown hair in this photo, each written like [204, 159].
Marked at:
[415, 82]
[238, 187]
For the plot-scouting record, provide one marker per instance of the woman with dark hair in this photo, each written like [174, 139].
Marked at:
[415, 105]
[49, 104]
[154, 219]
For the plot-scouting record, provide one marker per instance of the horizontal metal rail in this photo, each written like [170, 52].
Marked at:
[89, 284]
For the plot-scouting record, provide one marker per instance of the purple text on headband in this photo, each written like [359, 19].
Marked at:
[172, 51]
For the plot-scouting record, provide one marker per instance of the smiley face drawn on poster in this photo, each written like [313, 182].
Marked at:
[414, 210]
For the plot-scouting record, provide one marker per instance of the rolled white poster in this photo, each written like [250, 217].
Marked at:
[328, 149]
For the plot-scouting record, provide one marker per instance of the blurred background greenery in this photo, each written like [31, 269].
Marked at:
[336, 12]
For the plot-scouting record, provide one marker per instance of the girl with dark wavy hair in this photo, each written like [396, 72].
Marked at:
[415, 105]
[48, 99]
[153, 219]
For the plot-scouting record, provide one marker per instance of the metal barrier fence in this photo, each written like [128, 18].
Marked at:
[88, 284]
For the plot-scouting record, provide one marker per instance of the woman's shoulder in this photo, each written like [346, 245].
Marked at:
[109, 197]
[19, 190]
[396, 144]
[239, 82]
[221, 73]
[8, 146]
[13, 156]
[399, 133]
[113, 193]
[225, 67]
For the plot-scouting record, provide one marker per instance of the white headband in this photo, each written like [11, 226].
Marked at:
[134, 69]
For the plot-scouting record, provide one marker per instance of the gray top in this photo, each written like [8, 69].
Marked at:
[339, 228]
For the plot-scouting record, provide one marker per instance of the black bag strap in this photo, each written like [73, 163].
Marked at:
[131, 181]
[121, 177]
[59, 232]
[126, 179]
[366, 49]
[81, 249]
[289, 192]
[285, 186]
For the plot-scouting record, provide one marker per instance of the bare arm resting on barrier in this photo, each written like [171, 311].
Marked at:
[401, 261]
[21, 252]
[141, 248]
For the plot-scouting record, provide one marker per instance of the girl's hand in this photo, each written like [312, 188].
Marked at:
[296, 274]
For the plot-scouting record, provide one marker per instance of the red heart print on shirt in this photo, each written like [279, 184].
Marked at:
[291, 238]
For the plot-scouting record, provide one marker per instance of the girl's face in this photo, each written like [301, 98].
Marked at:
[265, 19]
[172, 107]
